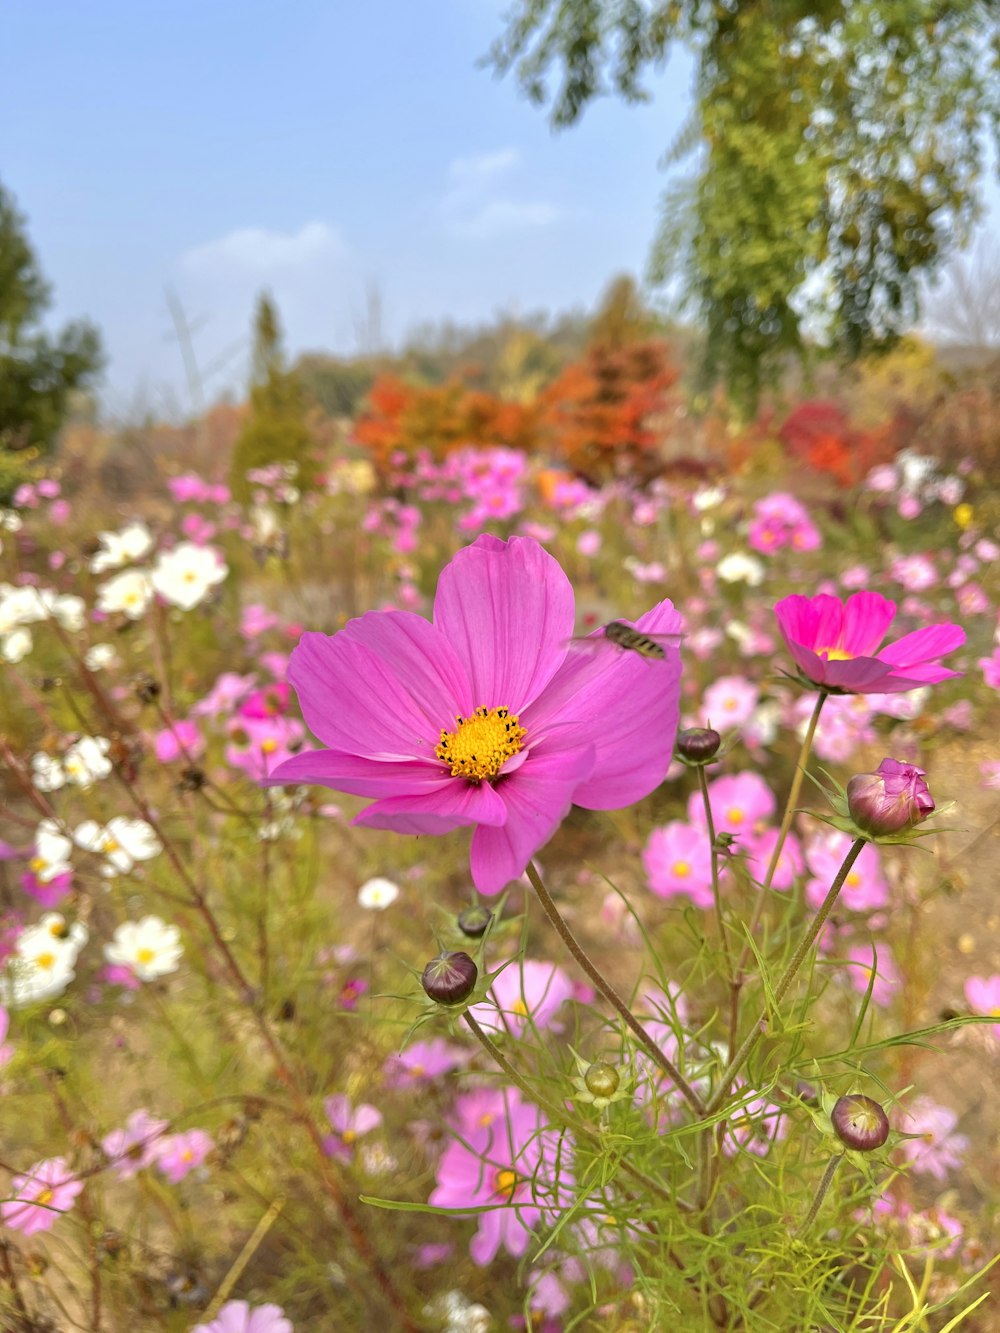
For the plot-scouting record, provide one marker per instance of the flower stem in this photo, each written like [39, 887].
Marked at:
[787, 977]
[610, 994]
[820, 1195]
[714, 852]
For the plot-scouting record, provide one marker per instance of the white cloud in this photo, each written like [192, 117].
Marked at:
[259, 251]
[502, 216]
[474, 207]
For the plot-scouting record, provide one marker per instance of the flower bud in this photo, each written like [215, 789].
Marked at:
[602, 1079]
[450, 978]
[859, 1122]
[892, 799]
[697, 745]
[473, 921]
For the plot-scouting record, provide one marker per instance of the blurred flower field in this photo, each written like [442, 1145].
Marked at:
[231, 1105]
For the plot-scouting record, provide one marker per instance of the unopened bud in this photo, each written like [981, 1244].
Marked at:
[697, 745]
[473, 921]
[450, 978]
[602, 1079]
[892, 799]
[859, 1122]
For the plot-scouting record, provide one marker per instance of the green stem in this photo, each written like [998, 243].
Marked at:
[610, 994]
[787, 977]
[820, 1195]
[714, 851]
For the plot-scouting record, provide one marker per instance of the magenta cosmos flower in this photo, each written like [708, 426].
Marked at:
[835, 644]
[487, 717]
[38, 1198]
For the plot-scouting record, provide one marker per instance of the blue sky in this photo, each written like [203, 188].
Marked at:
[314, 147]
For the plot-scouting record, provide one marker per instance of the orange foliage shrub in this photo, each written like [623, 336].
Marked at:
[599, 415]
[439, 419]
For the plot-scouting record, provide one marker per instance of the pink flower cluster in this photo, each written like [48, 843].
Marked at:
[143, 1143]
[779, 521]
[189, 488]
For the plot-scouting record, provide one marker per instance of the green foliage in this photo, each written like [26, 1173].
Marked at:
[38, 372]
[841, 153]
[276, 430]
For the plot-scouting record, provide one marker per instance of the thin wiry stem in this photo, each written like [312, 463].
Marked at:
[610, 994]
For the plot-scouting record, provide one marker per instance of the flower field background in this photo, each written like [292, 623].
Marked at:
[229, 1102]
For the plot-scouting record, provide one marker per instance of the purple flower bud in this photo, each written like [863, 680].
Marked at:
[890, 800]
[450, 978]
[697, 745]
[472, 921]
[859, 1122]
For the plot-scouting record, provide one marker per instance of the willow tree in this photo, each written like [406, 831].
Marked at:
[838, 144]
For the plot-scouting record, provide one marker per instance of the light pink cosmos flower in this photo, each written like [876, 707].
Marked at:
[677, 860]
[865, 888]
[180, 1153]
[859, 960]
[529, 995]
[487, 717]
[6, 1050]
[38, 1198]
[938, 1149]
[728, 702]
[740, 803]
[982, 995]
[507, 1159]
[135, 1146]
[759, 848]
[423, 1062]
[835, 644]
[241, 1317]
[348, 1123]
[182, 740]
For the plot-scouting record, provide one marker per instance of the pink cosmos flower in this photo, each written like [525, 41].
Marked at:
[348, 1123]
[859, 961]
[135, 1146]
[982, 995]
[423, 1062]
[991, 669]
[835, 644]
[6, 1050]
[864, 890]
[38, 1198]
[740, 803]
[180, 1153]
[487, 717]
[728, 702]
[504, 1158]
[759, 848]
[938, 1149]
[524, 996]
[183, 740]
[241, 1317]
[677, 860]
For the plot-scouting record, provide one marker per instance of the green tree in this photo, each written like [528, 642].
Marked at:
[38, 372]
[276, 429]
[839, 143]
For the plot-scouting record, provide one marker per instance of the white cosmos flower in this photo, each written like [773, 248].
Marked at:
[740, 568]
[150, 948]
[185, 575]
[42, 964]
[52, 850]
[121, 548]
[129, 592]
[15, 646]
[122, 842]
[101, 655]
[378, 894]
[86, 761]
[47, 772]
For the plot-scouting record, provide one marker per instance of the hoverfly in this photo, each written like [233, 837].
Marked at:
[651, 646]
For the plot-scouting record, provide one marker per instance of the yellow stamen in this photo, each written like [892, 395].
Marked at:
[834, 654]
[486, 1119]
[349, 1135]
[505, 1183]
[38, 864]
[268, 746]
[735, 815]
[45, 961]
[45, 1196]
[519, 1008]
[682, 869]
[145, 956]
[481, 744]
[853, 879]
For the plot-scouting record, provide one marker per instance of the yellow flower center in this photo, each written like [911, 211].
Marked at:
[505, 1183]
[486, 1119]
[349, 1135]
[59, 930]
[481, 744]
[45, 1196]
[834, 654]
[735, 815]
[110, 845]
[519, 1007]
[145, 956]
[38, 864]
[45, 961]
[268, 746]
[682, 869]
[853, 879]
